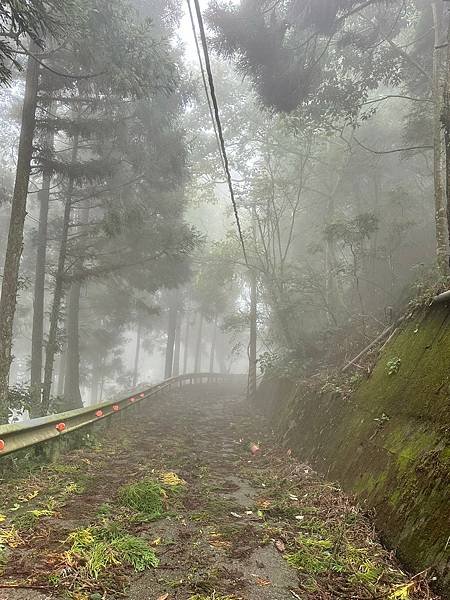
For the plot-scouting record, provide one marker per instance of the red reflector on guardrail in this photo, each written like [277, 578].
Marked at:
[133, 399]
[116, 408]
[99, 413]
[142, 395]
[60, 427]
[2, 445]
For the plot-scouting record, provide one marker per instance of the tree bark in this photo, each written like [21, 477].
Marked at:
[37, 336]
[61, 373]
[212, 354]
[446, 121]
[72, 396]
[253, 338]
[16, 226]
[186, 343]
[52, 342]
[171, 330]
[198, 347]
[442, 239]
[137, 353]
[94, 383]
[176, 356]
[221, 354]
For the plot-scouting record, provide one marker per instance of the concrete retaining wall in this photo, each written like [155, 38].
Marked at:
[389, 442]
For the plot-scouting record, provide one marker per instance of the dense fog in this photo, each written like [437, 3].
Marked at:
[136, 266]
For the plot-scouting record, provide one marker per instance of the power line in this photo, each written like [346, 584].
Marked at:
[205, 84]
[219, 124]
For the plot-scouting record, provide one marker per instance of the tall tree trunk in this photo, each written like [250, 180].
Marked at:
[137, 353]
[171, 330]
[37, 336]
[95, 380]
[198, 346]
[446, 120]
[61, 373]
[221, 352]
[102, 378]
[72, 396]
[52, 342]
[186, 343]
[176, 356]
[16, 225]
[253, 336]
[212, 354]
[442, 240]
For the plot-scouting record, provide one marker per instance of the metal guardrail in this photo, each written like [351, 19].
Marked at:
[19, 436]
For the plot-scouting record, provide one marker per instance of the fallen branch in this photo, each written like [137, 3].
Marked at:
[442, 297]
[381, 337]
[24, 586]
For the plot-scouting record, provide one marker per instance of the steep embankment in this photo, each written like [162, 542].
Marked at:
[388, 442]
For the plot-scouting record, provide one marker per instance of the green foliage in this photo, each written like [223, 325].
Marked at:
[36, 19]
[99, 548]
[317, 555]
[393, 365]
[314, 556]
[144, 497]
[30, 519]
[20, 397]
[104, 510]
[353, 231]
[289, 57]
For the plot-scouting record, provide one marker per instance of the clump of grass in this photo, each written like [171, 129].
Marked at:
[64, 469]
[314, 556]
[317, 556]
[104, 510]
[74, 487]
[98, 548]
[10, 537]
[30, 519]
[145, 497]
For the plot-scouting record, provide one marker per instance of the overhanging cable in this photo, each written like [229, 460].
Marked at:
[205, 84]
[219, 124]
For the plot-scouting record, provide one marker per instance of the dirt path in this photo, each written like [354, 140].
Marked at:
[222, 524]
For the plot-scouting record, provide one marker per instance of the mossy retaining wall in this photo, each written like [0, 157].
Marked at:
[389, 442]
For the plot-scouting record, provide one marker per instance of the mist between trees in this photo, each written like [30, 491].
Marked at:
[336, 118]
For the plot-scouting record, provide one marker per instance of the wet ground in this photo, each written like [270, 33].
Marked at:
[233, 525]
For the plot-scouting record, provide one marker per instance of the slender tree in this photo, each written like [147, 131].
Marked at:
[10, 280]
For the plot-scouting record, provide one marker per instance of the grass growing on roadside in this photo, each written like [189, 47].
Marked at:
[97, 548]
[30, 519]
[145, 497]
[316, 556]
[10, 537]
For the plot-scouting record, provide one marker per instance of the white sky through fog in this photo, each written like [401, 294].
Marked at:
[185, 31]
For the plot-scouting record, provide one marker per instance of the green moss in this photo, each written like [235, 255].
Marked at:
[398, 464]
[369, 483]
[395, 497]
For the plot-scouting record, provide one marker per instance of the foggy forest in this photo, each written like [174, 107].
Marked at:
[225, 288]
